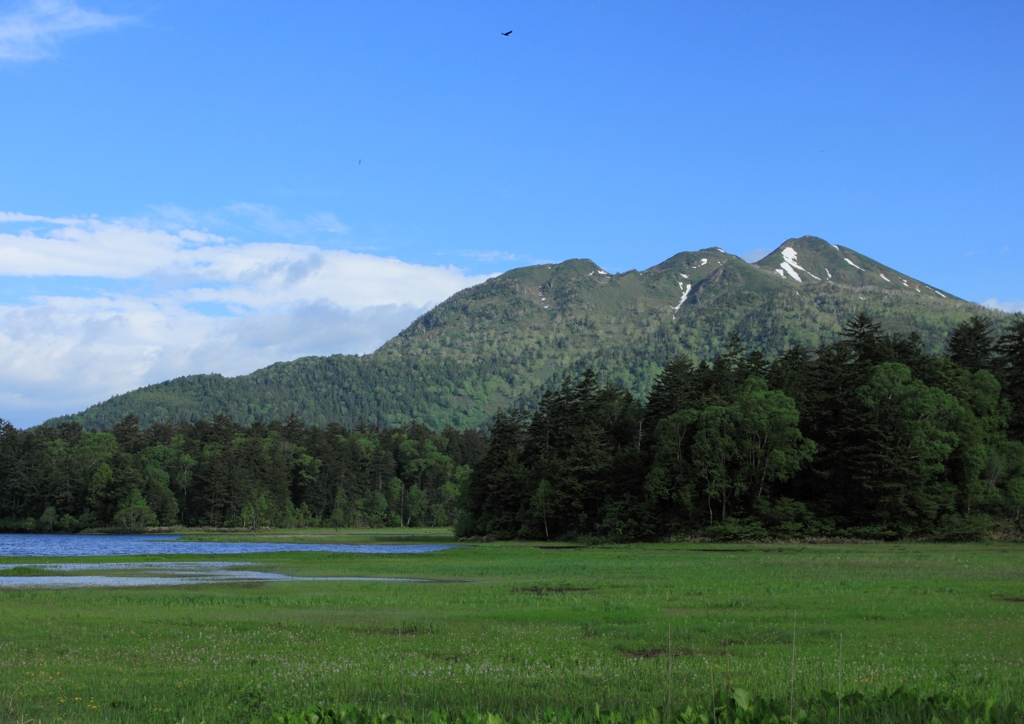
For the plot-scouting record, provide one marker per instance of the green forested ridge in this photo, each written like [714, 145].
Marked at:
[503, 342]
[869, 436]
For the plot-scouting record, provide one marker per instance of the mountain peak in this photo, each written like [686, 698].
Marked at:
[709, 256]
[813, 260]
[562, 271]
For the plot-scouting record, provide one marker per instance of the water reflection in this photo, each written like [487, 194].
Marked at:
[153, 574]
[64, 545]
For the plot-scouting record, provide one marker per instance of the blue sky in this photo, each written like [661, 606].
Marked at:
[210, 187]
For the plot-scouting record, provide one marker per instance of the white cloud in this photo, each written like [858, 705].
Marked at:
[490, 255]
[212, 269]
[496, 255]
[200, 303]
[754, 256]
[267, 219]
[1004, 306]
[33, 31]
[63, 354]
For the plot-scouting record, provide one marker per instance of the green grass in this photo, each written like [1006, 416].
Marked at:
[513, 629]
[348, 536]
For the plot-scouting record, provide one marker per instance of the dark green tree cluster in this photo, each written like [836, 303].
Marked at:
[869, 436]
[219, 473]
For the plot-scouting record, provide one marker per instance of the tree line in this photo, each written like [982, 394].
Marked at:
[219, 473]
[869, 436]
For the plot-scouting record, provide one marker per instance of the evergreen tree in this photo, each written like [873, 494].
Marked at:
[909, 434]
[1010, 362]
[972, 343]
[498, 488]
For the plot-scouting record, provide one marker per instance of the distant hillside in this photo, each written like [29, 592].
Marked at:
[503, 342]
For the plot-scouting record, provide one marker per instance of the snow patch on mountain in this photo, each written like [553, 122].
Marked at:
[686, 293]
[884, 277]
[790, 265]
[851, 263]
[790, 270]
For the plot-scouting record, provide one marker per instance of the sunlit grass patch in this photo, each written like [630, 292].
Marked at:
[529, 628]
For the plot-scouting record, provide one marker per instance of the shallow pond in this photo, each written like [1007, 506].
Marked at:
[120, 575]
[104, 575]
[63, 545]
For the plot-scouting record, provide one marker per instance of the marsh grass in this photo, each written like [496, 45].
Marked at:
[735, 706]
[22, 571]
[532, 628]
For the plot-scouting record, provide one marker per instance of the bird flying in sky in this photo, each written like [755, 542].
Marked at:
[507, 34]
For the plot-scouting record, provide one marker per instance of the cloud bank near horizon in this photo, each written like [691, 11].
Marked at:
[1009, 306]
[127, 303]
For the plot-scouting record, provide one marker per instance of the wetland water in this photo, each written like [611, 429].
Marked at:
[66, 546]
[106, 575]
[131, 574]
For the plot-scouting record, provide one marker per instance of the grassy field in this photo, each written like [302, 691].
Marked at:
[513, 629]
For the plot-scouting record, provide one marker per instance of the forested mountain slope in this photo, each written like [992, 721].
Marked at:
[503, 342]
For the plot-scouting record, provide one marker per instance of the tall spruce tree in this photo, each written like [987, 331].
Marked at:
[972, 343]
[1010, 361]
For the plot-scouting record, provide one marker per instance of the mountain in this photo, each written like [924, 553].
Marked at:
[501, 343]
[812, 260]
